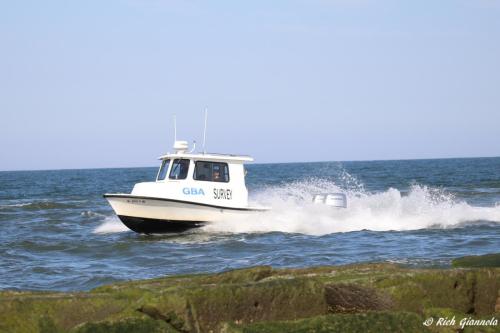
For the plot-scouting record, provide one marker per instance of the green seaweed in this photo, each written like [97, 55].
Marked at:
[363, 323]
[258, 299]
[487, 260]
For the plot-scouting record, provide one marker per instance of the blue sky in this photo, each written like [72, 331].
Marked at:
[96, 83]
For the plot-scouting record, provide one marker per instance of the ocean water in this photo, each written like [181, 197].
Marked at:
[58, 233]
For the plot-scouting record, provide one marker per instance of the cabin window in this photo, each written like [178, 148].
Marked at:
[211, 171]
[179, 169]
[163, 170]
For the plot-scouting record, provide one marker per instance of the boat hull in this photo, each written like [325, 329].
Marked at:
[161, 215]
[154, 226]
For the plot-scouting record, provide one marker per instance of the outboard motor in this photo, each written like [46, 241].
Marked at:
[338, 200]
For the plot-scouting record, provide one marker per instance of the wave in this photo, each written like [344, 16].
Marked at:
[15, 205]
[89, 213]
[293, 211]
[37, 205]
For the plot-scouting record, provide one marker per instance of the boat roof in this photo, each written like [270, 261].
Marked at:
[208, 156]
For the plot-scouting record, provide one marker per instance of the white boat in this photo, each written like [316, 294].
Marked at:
[190, 190]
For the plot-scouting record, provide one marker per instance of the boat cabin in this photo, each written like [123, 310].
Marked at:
[212, 179]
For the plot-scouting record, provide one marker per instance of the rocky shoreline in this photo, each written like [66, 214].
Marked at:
[354, 298]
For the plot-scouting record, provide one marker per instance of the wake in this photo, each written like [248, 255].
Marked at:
[293, 211]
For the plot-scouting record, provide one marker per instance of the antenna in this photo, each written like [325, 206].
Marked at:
[205, 131]
[194, 147]
[175, 128]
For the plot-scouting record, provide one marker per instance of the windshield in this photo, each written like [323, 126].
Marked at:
[180, 169]
[162, 173]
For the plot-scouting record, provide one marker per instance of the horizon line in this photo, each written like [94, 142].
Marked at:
[265, 163]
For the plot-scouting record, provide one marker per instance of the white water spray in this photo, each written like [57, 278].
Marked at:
[110, 225]
[293, 211]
